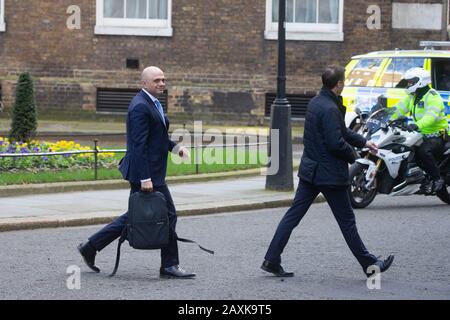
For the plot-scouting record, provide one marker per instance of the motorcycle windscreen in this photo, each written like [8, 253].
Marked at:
[379, 119]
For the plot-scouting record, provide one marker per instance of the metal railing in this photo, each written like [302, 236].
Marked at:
[96, 152]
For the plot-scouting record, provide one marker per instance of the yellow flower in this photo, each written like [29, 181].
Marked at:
[106, 155]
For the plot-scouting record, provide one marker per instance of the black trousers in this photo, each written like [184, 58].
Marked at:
[428, 154]
[169, 254]
[339, 202]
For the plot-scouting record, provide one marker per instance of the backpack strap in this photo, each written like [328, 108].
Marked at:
[191, 241]
[122, 238]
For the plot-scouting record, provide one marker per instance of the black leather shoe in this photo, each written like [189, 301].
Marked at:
[276, 269]
[88, 253]
[382, 265]
[175, 272]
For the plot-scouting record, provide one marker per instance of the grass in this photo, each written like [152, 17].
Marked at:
[10, 178]
[217, 159]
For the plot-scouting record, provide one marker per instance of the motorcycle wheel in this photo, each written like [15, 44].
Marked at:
[444, 194]
[360, 197]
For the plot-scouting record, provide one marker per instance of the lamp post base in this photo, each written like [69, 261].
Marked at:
[282, 179]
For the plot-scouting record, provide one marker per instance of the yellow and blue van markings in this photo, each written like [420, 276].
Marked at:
[366, 97]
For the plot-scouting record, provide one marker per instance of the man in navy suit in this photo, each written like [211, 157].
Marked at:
[324, 169]
[144, 166]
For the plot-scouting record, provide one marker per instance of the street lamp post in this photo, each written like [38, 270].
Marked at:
[282, 180]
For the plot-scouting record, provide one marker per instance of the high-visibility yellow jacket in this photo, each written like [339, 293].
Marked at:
[428, 113]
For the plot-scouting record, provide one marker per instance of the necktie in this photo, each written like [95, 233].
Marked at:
[160, 109]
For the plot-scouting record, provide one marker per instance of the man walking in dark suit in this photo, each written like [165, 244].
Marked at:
[144, 166]
[324, 168]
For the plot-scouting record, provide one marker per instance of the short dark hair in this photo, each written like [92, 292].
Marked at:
[332, 75]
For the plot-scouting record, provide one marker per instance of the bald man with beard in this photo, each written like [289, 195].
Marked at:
[145, 166]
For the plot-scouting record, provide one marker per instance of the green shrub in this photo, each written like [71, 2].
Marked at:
[24, 117]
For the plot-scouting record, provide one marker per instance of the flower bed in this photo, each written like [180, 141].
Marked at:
[51, 162]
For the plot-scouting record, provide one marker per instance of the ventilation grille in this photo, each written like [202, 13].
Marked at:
[118, 100]
[132, 63]
[298, 102]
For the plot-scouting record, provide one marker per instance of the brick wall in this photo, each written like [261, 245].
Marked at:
[217, 62]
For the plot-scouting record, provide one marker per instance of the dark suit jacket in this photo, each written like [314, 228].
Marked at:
[148, 143]
[328, 142]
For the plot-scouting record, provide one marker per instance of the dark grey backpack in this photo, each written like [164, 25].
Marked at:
[148, 221]
[148, 225]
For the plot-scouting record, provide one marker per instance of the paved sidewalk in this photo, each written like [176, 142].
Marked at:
[99, 207]
[90, 127]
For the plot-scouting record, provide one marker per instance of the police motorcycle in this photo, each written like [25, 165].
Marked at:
[363, 109]
[360, 120]
[364, 113]
[393, 169]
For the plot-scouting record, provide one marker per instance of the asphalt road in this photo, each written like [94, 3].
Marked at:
[34, 264]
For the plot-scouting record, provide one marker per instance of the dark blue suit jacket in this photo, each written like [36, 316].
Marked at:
[328, 142]
[148, 143]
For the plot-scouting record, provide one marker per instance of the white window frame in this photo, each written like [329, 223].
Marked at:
[2, 16]
[448, 17]
[133, 27]
[306, 31]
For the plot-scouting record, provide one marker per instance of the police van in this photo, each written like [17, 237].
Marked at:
[376, 77]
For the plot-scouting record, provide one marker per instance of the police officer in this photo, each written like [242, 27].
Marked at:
[426, 107]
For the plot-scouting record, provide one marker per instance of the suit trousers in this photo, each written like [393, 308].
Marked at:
[339, 202]
[169, 254]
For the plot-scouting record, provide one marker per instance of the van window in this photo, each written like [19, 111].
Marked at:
[363, 74]
[396, 69]
[441, 74]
